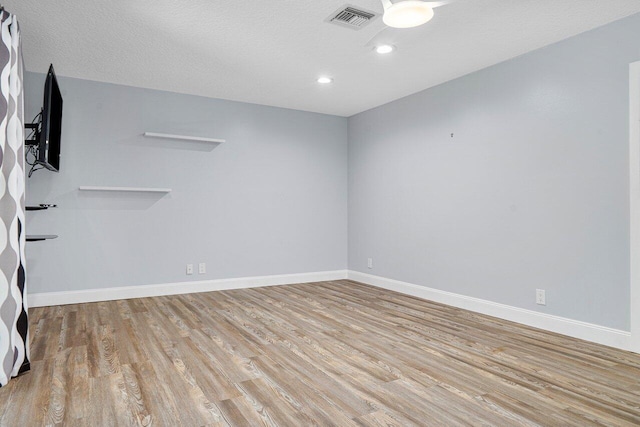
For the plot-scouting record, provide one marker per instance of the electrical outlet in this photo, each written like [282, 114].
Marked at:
[369, 262]
[189, 268]
[202, 268]
[541, 298]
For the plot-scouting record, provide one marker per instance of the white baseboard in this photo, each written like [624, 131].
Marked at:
[573, 328]
[128, 292]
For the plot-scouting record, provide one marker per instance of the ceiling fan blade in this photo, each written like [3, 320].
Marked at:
[434, 4]
[386, 35]
[399, 37]
[386, 4]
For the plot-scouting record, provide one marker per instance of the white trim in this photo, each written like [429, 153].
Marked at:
[129, 189]
[634, 202]
[583, 330]
[574, 328]
[184, 138]
[127, 292]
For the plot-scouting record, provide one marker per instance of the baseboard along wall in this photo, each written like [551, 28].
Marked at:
[561, 325]
[143, 291]
[573, 328]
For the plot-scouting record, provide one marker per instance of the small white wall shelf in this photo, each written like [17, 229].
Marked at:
[183, 138]
[127, 189]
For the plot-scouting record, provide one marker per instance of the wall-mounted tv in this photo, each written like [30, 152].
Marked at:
[51, 128]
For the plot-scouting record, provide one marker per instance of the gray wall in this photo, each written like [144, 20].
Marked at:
[531, 191]
[271, 200]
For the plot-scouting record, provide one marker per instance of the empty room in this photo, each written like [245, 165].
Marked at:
[320, 213]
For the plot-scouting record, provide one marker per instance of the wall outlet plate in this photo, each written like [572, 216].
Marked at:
[541, 297]
[369, 262]
[202, 268]
[189, 268]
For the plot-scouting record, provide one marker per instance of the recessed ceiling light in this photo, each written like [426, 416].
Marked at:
[407, 13]
[384, 48]
[324, 80]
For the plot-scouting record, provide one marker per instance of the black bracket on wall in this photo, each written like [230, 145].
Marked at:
[35, 127]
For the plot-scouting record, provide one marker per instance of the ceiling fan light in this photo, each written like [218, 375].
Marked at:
[407, 14]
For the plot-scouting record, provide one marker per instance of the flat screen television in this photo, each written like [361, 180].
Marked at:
[51, 128]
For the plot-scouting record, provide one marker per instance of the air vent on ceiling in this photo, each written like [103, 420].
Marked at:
[351, 17]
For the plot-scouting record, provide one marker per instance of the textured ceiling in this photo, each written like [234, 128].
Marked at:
[271, 52]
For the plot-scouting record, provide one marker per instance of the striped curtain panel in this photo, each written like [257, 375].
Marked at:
[14, 335]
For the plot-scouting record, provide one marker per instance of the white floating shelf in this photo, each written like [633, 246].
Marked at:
[183, 138]
[129, 189]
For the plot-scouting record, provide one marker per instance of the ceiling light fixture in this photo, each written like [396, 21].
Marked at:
[324, 80]
[406, 13]
[384, 49]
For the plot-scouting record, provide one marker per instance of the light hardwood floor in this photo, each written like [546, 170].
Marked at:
[332, 353]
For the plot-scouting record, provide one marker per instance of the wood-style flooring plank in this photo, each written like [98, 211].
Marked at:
[336, 353]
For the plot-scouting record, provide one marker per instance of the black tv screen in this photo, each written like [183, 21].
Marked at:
[49, 144]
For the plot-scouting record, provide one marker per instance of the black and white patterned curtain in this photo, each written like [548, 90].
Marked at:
[14, 335]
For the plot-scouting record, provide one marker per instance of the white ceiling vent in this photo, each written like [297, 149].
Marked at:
[351, 17]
